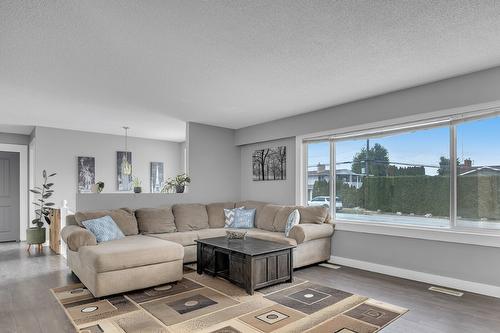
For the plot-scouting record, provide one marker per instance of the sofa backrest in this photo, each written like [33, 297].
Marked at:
[71, 220]
[314, 214]
[265, 220]
[123, 217]
[155, 220]
[258, 205]
[188, 217]
[216, 216]
[281, 217]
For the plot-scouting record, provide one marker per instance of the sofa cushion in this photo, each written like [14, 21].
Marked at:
[281, 218]
[313, 214]
[123, 217]
[190, 217]
[215, 213]
[311, 231]
[210, 233]
[184, 238]
[155, 220]
[265, 219]
[278, 237]
[129, 252]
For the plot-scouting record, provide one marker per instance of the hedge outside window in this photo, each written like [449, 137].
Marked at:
[478, 173]
[397, 179]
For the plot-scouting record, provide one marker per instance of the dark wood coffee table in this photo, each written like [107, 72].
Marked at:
[250, 263]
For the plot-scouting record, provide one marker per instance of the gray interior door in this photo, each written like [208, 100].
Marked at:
[9, 196]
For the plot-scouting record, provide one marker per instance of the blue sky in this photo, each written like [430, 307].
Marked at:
[478, 140]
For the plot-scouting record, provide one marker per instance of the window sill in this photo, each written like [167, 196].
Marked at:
[489, 238]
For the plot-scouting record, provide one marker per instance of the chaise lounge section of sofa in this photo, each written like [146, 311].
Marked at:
[159, 240]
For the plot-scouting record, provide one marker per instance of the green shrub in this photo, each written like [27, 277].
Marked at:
[478, 196]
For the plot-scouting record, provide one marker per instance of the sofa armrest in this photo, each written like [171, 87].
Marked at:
[75, 237]
[309, 231]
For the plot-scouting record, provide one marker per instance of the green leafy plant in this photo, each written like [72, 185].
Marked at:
[100, 186]
[176, 183]
[42, 194]
[136, 182]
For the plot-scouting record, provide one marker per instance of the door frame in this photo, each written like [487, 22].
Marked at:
[23, 184]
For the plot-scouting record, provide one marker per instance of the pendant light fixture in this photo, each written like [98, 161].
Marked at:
[126, 166]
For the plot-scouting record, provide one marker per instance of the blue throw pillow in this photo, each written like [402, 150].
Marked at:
[104, 229]
[243, 218]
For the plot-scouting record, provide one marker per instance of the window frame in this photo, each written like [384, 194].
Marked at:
[452, 233]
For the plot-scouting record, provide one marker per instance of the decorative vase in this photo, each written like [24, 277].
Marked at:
[137, 189]
[35, 235]
[180, 188]
[236, 234]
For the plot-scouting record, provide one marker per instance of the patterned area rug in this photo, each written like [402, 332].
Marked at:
[200, 303]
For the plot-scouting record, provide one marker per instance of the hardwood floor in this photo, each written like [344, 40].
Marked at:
[430, 312]
[26, 304]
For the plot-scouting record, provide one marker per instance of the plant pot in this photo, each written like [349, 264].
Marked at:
[35, 235]
[180, 189]
[137, 189]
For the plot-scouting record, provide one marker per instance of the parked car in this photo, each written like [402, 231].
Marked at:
[324, 201]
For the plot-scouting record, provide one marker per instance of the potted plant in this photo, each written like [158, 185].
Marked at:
[36, 235]
[137, 185]
[98, 187]
[178, 183]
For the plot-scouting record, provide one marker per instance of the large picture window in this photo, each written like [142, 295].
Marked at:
[401, 178]
[318, 174]
[478, 173]
[443, 174]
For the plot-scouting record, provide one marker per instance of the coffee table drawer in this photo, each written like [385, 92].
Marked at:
[271, 268]
[237, 268]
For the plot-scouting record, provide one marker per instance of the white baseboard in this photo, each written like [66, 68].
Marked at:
[438, 280]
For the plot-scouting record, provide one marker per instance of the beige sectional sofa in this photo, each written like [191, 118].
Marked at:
[159, 240]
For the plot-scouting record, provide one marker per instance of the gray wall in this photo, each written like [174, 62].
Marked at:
[14, 139]
[56, 150]
[214, 167]
[475, 88]
[461, 261]
[276, 191]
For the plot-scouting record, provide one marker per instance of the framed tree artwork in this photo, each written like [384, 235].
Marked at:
[269, 164]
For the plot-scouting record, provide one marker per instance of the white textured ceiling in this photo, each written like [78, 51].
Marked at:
[152, 65]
